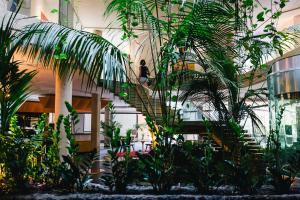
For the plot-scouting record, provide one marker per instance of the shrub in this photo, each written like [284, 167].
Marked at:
[122, 167]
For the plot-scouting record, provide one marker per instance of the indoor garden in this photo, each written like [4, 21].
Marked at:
[213, 86]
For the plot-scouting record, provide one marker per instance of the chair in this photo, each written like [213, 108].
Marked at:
[134, 138]
[148, 147]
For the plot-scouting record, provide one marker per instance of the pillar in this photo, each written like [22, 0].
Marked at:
[63, 92]
[95, 129]
[66, 13]
[63, 85]
[107, 122]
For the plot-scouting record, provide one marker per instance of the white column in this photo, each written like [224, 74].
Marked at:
[63, 92]
[36, 8]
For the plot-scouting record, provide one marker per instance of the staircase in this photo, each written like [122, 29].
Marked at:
[133, 98]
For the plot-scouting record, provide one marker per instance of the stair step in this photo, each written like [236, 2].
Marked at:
[153, 106]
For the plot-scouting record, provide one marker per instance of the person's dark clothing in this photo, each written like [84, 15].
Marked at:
[144, 71]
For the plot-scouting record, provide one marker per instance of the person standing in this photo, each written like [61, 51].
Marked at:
[144, 73]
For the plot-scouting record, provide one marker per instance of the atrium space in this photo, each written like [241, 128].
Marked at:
[160, 99]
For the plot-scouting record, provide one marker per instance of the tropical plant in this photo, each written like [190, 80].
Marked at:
[229, 68]
[245, 176]
[219, 36]
[14, 83]
[76, 166]
[52, 157]
[293, 157]
[159, 169]
[16, 156]
[45, 159]
[179, 32]
[67, 51]
[280, 167]
[35, 159]
[158, 164]
[196, 163]
[121, 168]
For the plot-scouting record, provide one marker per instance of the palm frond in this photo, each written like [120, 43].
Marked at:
[67, 51]
[14, 84]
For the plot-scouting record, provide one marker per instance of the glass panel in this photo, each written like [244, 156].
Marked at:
[87, 123]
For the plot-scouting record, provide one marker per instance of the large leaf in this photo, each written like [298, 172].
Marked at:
[67, 51]
[14, 84]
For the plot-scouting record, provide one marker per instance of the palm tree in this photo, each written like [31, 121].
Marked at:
[14, 84]
[219, 36]
[232, 101]
[178, 32]
[67, 50]
[59, 48]
[223, 81]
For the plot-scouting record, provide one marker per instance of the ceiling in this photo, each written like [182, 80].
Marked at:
[91, 13]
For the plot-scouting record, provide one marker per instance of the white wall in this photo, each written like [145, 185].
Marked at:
[21, 20]
[45, 6]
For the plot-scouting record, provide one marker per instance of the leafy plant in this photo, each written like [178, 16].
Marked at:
[293, 157]
[158, 164]
[219, 37]
[75, 173]
[36, 159]
[281, 172]
[54, 44]
[121, 167]
[17, 151]
[14, 83]
[245, 175]
[195, 163]
[45, 159]
[230, 67]
[158, 169]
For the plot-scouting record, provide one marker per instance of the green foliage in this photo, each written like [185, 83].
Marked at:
[210, 34]
[45, 159]
[293, 158]
[17, 149]
[159, 168]
[245, 175]
[54, 46]
[281, 169]
[196, 163]
[31, 159]
[75, 173]
[14, 83]
[158, 165]
[121, 170]
[54, 10]
[14, 89]
[36, 159]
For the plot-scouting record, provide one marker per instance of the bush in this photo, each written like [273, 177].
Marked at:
[35, 159]
[122, 167]
[16, 150]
